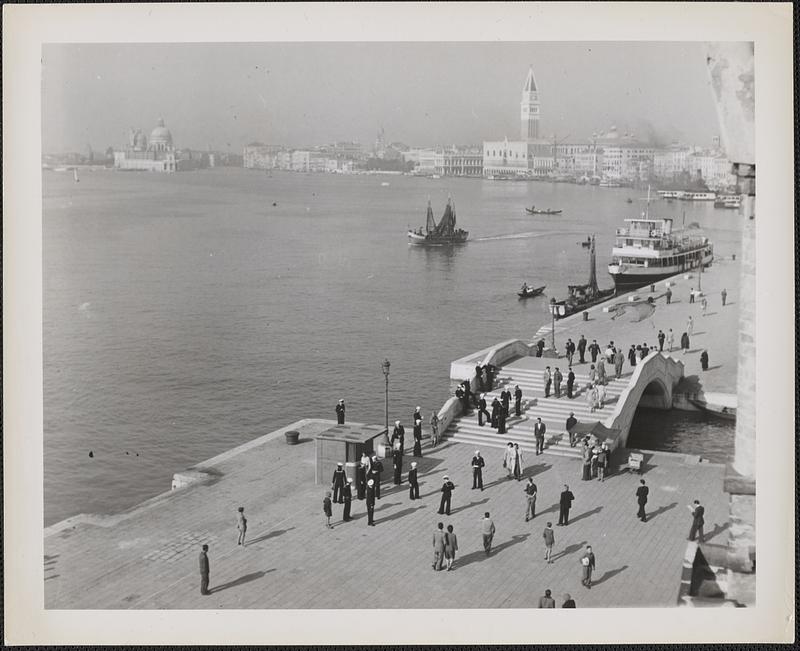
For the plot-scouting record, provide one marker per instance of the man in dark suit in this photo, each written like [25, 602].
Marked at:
[582, 349]
[517, 400]
[477, 470]
[397, 464]
[347, 491]
[569, 349]
[482, 410]
[539, 430]
[594, 350]
[570, 382]
[361, 480]
[340, 412]
[447, 491]
[547, 379]
[564, 505]
[496, 407]
[413, 482]
[571, 422]
[375, 475]
[697, 521]
[490, 370]
[204, 571]
[438, 546]
[641, 498]
[371, 503]
[661, 338]
[479, 377]
[505, 397]
[337, 483]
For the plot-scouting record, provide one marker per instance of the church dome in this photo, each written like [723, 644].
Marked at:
[160, 135]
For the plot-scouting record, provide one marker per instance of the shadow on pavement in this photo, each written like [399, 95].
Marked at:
[481, 555]
[609, 575]
[538, 469]
[570, 549]
[468, 506]
[661, 510]
[267, 536]
[400, 514]
[594, 511]
[241, 580]
[718, 529]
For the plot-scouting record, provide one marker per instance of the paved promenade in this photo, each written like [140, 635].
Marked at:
[717, 331]
[148, 558]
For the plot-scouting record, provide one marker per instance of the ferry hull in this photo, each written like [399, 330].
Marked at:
[626, 281]
[415, 239]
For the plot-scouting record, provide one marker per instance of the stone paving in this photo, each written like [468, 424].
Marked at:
[147, 558]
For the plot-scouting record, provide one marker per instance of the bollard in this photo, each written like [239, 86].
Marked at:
[652, 288]
[733, 256]
[585, 316]
[291, 437]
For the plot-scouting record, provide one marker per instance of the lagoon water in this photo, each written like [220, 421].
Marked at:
[185, 314]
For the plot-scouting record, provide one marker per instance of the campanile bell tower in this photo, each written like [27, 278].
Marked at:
[530, 108]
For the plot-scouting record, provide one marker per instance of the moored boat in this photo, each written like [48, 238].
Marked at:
[533, 210]
[581, 297]
[731, 201]
[648, 250]
[444, 233]
[529, 292]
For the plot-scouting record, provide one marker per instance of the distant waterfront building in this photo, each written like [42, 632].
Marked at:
[459, 161]
[625, 157]
[155, 155]
[530, 108]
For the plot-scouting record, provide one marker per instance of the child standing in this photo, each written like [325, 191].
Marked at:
[328, 509]
[241, 525]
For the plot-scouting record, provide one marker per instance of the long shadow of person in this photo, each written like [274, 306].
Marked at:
[587, 514]
[660, 510]
[241, 580]
[363, 514]
[468, 506]
[610, 574]
[480, 555]
[267, 536]
[550, 509]
[400, 514]
[718, 528]
[570, 549]
[538, 469]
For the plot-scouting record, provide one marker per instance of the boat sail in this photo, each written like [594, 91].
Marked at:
[444, 233]
[582, 296]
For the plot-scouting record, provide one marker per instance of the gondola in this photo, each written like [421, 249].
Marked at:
[530, 292]
[539, 211]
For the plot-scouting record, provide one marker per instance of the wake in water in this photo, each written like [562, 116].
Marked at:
[518, 236]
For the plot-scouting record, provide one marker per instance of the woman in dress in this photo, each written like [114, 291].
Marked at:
[587, 461]
[434, 429]
[450, 547]
[601, 396]
[685, 343]
[601, 371]
[517, 462]
[592, 374]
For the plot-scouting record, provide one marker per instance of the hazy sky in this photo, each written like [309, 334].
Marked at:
[227, 95]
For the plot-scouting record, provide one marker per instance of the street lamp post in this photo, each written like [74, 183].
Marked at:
[553, 324]
[385, 367]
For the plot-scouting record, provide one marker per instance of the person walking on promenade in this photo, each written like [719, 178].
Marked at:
[632, 356]
[505, 398]
[549, 537]
[539, 430]
[399, 434]
[450, 546]
[569, 348]
[413, 482]
[691, 295]
[610, 353]
[586, 457]
[477, 470]
[479, 377]
[327, 509]
[619, 361]
[518, 463]
[488, 530]
[397, 466]
[685, 343]
[592, 374]
[661, 338]
[508, 460]
[517, 400]
[447, 491]
[571, 422]
[438, 547]
[241, 525]
[570, 382]
[496, 407]
[724, 295]
[644, 350]
[205, 571]
[482, 410]
[582, 350]
[371, 496]
[547, 378]
[698, 521]
[669, 296]
[641, 498]
[347, 492]
[690, 326]
[594, 350]
[587, 566]
[434, 429]
[459, 393]
[547, 601]
[703, 305]
[374, 474]
[601, 396]
[704, 360]
[340, 412]
[337, 483]
[569, 602]
[607, 465]
[601, 371]
[557, 378]
[602, 461]
[530, 499]
[670, 340]
[564, 505]
[361, 480]
[417, 433]
[501, 420]
[592, 397]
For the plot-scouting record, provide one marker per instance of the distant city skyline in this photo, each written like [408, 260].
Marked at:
[301, 94]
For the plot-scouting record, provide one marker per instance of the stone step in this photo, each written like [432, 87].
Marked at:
[557, 410]
[500, 441]
[554, 436]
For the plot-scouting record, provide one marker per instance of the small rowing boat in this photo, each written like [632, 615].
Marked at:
[530, 292]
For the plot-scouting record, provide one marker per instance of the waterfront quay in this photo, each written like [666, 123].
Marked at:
[147, 558]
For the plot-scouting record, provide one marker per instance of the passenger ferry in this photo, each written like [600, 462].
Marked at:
[648, 250]
[728, 201]
[698, 196]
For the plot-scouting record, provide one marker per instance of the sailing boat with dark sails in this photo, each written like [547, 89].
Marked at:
[444, 233]
[582, 296]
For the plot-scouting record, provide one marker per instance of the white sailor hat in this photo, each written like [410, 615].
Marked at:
[397, 422]
[370, 482]
[339, 464]
[413, 464]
